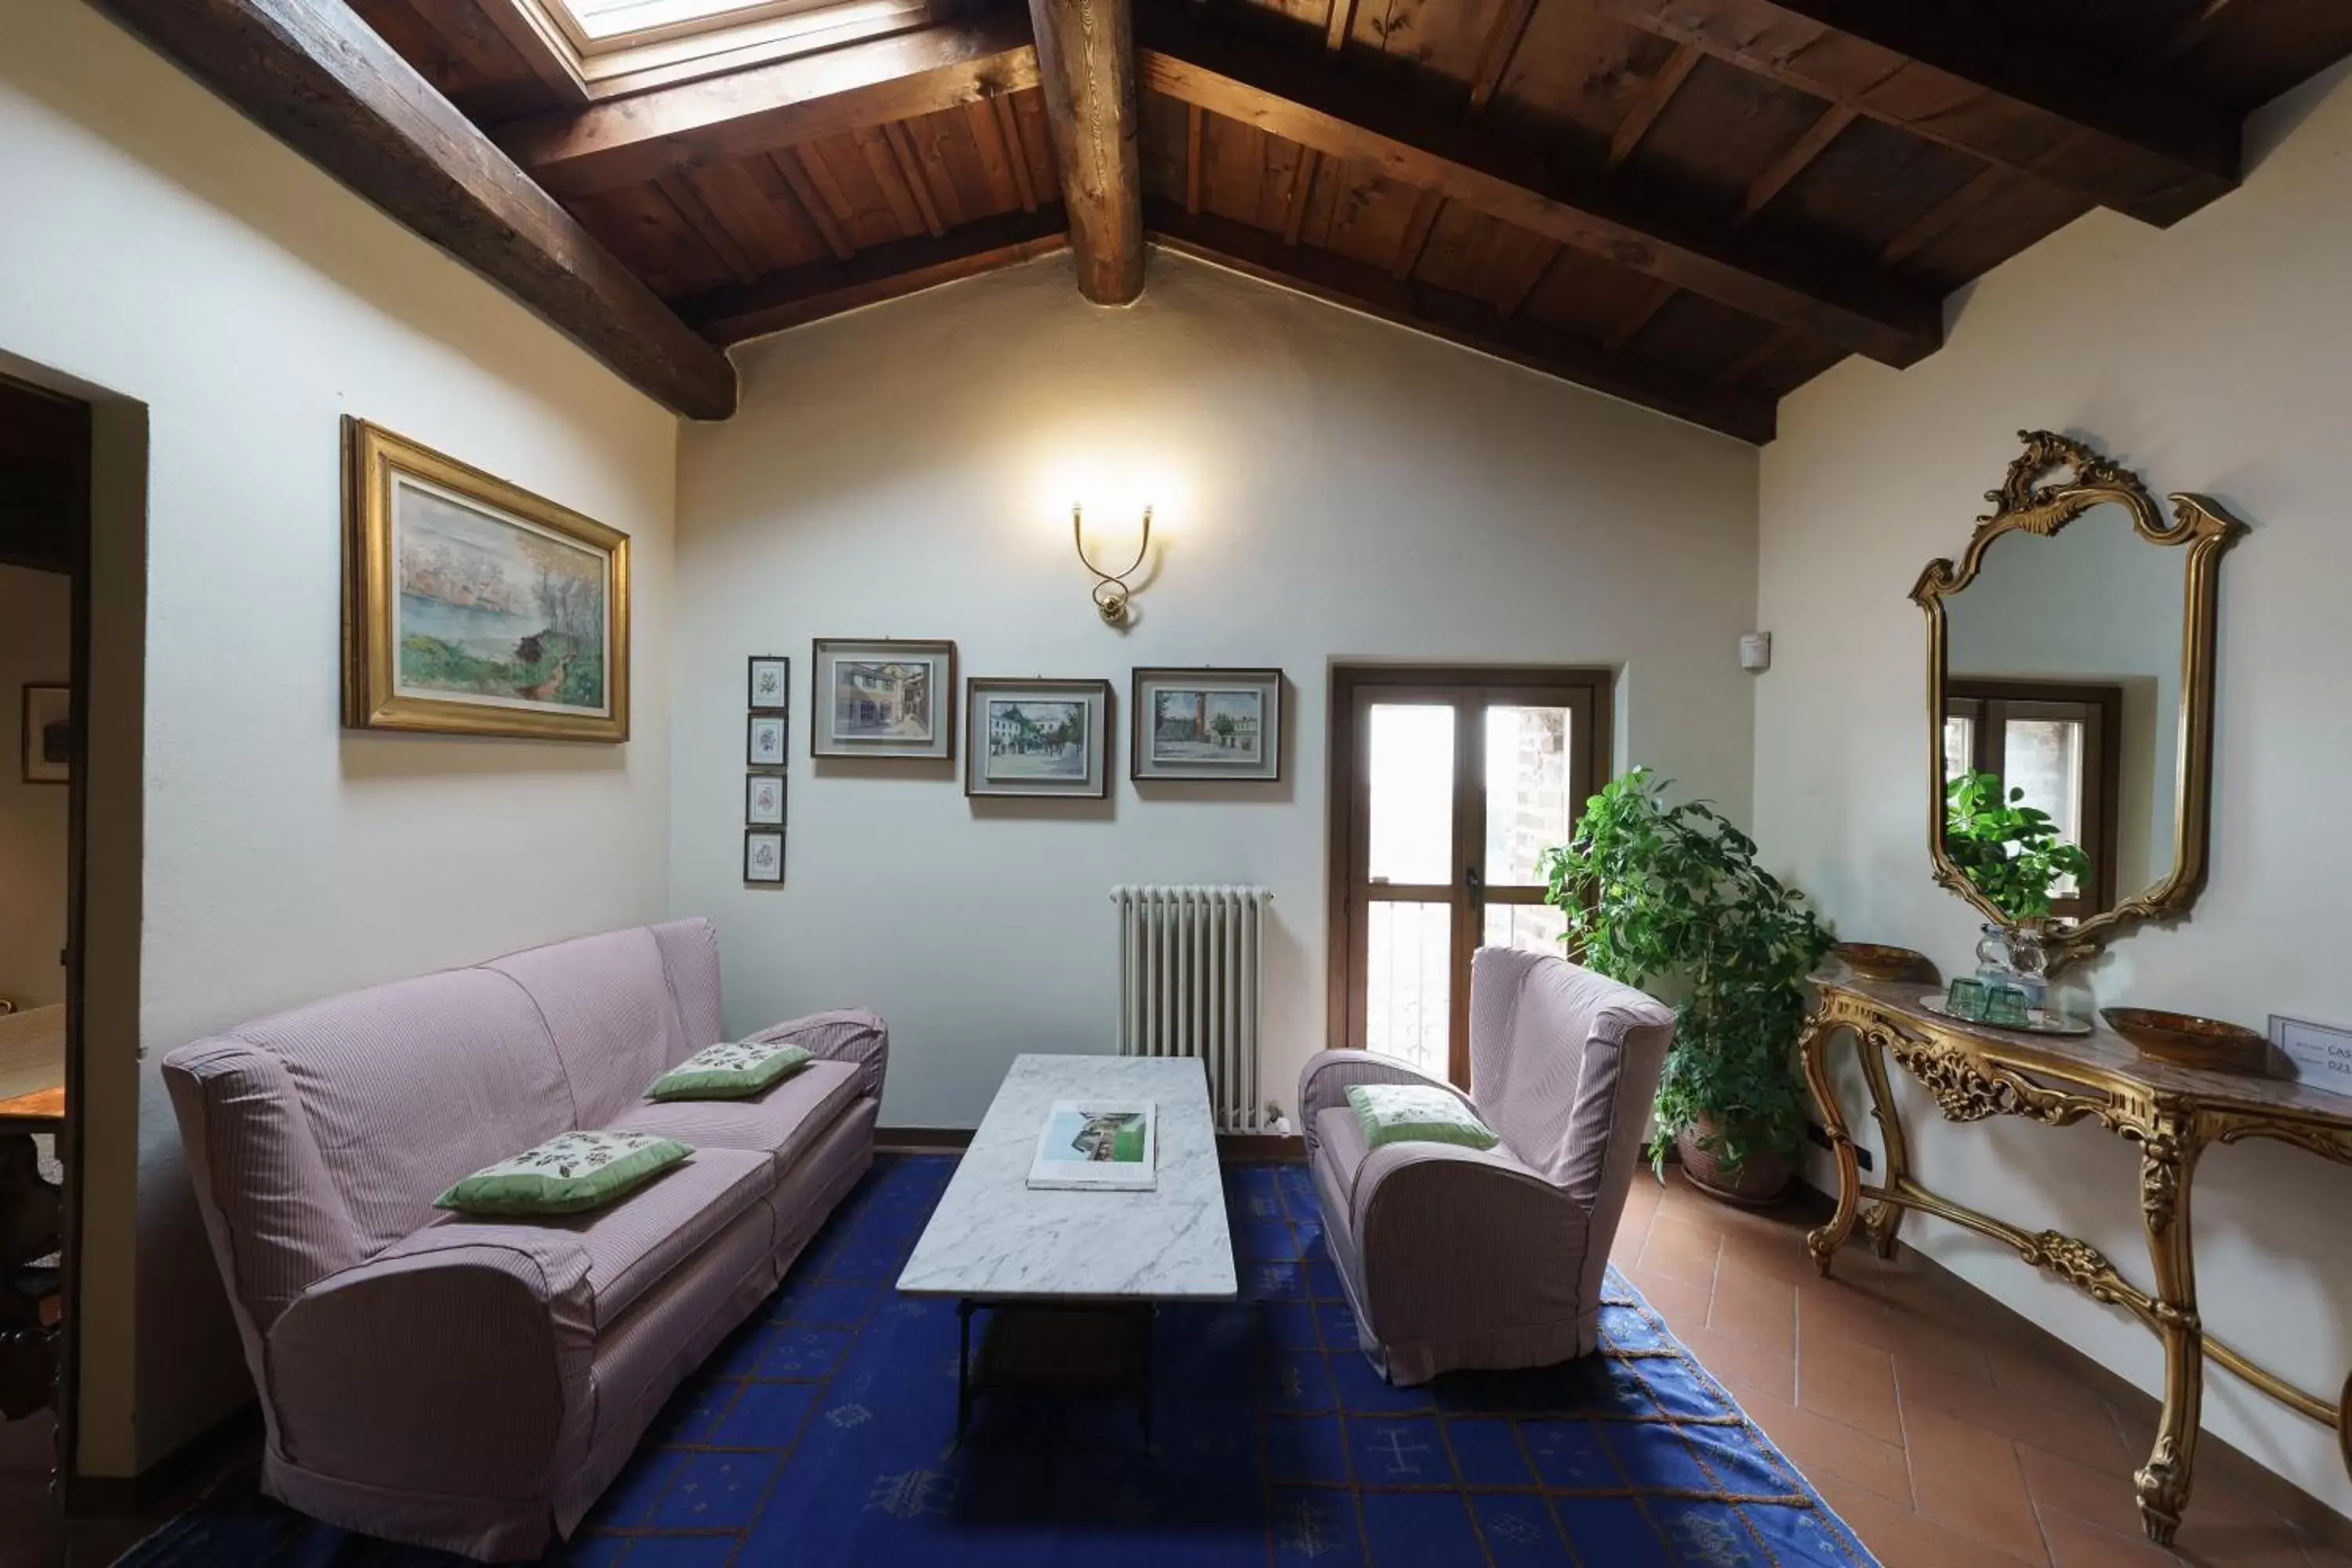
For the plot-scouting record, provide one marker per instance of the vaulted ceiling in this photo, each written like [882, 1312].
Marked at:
[1695, 204]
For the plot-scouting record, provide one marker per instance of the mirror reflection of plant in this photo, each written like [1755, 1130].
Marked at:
[1655, 894]
[2012, 852]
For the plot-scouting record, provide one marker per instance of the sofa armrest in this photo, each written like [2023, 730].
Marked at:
[461, 1372]
[1324, 1082]
[1427, 1217]
[849, 1035]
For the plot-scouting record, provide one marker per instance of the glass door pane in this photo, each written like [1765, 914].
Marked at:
[1409, 799]
[2044, 757]
[1409, 983]
[1529, 808]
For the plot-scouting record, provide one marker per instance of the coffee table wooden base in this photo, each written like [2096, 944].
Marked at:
[1077, 1349]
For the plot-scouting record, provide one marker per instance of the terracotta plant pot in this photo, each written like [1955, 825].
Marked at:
[1762, 1177]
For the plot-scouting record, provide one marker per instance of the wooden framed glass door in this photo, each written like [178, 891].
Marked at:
[1446, 787]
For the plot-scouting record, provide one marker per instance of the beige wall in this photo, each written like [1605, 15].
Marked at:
[229, 303]
[2216, 356]
[1328, 487]
[36, 625]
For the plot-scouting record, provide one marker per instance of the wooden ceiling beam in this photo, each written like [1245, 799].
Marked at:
[315, 76]
[1980, 89]
[1658, 92]
[820, 288]
[1085, 65]
[1357, 286]
[1348, 114]
[627, 141]
[1796, 159]
[1497, 50]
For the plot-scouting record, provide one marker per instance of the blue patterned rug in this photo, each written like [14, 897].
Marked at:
[820, 1435]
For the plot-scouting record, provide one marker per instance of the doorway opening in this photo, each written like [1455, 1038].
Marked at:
[1447, 785]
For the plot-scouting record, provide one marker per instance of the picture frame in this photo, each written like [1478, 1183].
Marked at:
[764, 800]
[767, 683]
[472, 606]
[882, 696]
[1037, 738]
[767, 744]
[764, 856]
[1206, 724]
[46, 739]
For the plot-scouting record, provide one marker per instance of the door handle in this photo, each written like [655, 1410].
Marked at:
[1473, 884]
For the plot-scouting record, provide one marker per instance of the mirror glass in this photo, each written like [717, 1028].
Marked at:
[2062, 696]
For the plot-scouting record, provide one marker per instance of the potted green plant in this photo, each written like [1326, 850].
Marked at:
[1671, 897]
[2009, 850]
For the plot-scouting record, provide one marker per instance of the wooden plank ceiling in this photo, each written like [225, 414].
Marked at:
[1695, 205]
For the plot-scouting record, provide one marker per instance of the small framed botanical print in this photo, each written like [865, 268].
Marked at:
[1037, 738]
[47, 739]
[763, 854]
[771, 684]
[764, 745]
[887, 697]
[1220, 724]
[764, 800]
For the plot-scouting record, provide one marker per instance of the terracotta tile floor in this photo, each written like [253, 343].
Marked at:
[1934, 1427]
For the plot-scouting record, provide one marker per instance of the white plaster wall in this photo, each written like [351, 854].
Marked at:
[168, 254]
[35, 628]
[2216, 356]
[1329, 487]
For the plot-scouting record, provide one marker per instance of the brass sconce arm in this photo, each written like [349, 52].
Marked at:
[1111, 591]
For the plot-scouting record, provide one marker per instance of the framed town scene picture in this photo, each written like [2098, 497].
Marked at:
[1037, 738]
[886, 698]
[764, 800]
[763, 854]
[1206, 724]
[474, 608]
[771, 684]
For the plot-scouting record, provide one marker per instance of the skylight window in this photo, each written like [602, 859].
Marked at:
[599, 20]
[612, 47]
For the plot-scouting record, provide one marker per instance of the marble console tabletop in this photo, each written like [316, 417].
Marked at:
[992, 1237]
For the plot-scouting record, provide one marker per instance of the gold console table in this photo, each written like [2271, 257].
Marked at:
[2170, 1112]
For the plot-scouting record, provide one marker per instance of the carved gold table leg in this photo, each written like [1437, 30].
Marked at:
[2168, 1158]
[1886, 1216]
[1812, 1048]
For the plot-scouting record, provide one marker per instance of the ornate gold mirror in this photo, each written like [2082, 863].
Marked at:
[2070, 698]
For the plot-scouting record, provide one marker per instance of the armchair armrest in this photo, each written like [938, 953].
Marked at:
[1324, 1082]
[462, 1371]
[849, 1035]
[1427, 1217]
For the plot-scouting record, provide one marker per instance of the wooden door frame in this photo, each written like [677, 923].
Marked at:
[1346, 781]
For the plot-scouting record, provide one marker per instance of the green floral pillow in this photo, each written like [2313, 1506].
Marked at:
[730, 1071]
[1417, 1113]
[570, 1174]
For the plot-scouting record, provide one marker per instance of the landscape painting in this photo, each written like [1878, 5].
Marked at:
[882, 698]
[1036, 739]
[493, 609]
[473, 606]
[1198, 724]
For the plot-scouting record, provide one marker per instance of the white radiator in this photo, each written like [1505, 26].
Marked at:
[1191, 983]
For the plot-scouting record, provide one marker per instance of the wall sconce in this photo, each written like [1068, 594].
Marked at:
[1111, 591]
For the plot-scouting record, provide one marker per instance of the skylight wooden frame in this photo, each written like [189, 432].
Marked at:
[731, 39]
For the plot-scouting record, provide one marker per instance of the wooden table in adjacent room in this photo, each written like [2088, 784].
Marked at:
[32, 1100]
[1072, 1278]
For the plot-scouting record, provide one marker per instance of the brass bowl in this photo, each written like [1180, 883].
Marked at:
[1874, 961]
[2190, 1040]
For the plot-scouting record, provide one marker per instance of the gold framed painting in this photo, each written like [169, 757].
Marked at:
[474, 608]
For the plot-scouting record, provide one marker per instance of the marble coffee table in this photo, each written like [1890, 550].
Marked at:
[1073, 1277]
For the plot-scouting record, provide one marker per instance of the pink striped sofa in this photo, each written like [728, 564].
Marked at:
[1493, 1259]
[475, 1385]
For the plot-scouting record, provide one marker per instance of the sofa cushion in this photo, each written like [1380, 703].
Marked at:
[572, 1173]
[736, 1070]
[608, 1007]
[781, 1123]
[1340, 1133]
[629, 1248]
[1416, 1113]
[689, 952]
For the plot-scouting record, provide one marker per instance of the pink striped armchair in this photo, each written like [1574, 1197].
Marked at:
[1458, 1258]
